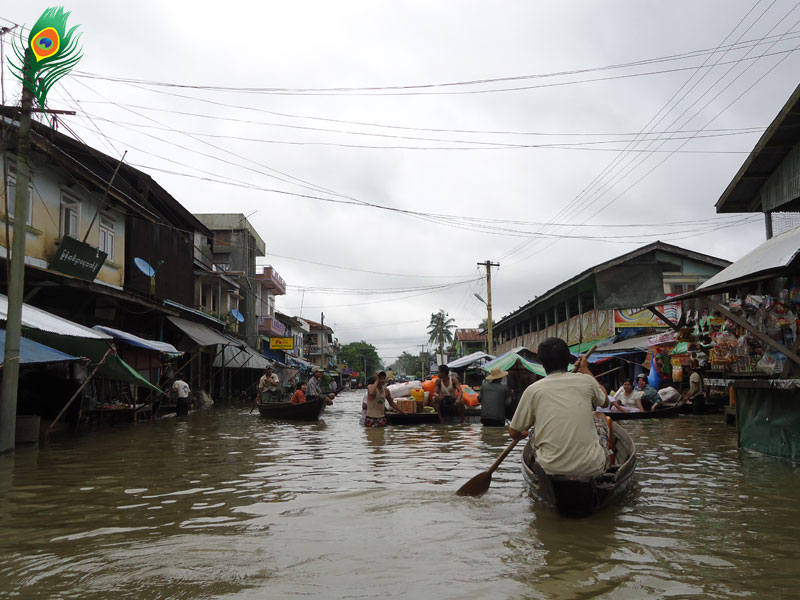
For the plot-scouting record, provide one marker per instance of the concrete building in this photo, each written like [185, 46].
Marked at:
[235, 247]
[595, 304]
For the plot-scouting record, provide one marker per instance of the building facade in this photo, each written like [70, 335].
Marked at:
[596, 304]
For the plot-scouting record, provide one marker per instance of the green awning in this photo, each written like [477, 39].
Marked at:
[509, 359]
[113, 368]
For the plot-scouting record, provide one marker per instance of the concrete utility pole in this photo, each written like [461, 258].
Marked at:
[422, 360]
[16, 278]
[489, 264]
[322, 341]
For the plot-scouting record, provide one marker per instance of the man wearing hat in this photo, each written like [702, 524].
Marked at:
[315, 386]
[494, 397]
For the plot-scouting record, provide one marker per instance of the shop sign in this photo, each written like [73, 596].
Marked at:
[281, 343]
[637, 317]
[78, 259]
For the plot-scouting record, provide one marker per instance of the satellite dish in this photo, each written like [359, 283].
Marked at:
[237, 315]
[144, 267]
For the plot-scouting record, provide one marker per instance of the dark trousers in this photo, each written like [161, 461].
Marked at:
[182, 407]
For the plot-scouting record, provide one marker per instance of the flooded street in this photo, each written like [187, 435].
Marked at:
[224, 504]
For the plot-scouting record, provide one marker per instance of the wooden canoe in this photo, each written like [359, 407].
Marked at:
[574, 496]
[661, 413]
[472, 415]
[310, 410]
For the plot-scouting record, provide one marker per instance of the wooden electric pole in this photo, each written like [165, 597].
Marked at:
[489, 264]
[16, 277]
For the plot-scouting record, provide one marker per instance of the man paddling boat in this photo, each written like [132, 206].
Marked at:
[567, 438]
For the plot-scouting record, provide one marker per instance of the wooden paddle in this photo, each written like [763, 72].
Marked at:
[478, 485]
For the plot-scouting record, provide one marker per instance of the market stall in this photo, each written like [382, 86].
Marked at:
[747, 315]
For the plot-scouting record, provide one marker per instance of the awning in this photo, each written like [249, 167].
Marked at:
[470, 359]
[42, 320]
[238, 355]
[76, 340]
[773, 255]
[137, 342]
[276, 356]
[297, 362]
[204, 336]
[34, 353]
[509, 359]
[636, 344]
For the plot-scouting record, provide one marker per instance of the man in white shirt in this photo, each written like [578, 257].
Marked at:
[566, 439]
[180, 392]
[268, 386]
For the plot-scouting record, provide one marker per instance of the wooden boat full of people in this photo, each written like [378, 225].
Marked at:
[310, 410]
[574, 496]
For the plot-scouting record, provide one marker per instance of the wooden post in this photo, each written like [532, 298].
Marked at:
[663, 318]
[80, 389]
[16, 278]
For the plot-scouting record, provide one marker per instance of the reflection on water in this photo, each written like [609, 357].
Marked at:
[225, 504]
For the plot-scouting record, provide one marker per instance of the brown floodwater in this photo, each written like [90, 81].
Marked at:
[224, 504]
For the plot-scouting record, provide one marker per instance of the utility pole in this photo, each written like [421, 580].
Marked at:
[322, 341]
[489, 264]
[422, 360]
[16, 277]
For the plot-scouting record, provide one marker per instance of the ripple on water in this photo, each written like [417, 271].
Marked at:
[227, 505]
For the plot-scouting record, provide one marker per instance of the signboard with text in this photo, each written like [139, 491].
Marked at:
[281, 343]
[78, 259]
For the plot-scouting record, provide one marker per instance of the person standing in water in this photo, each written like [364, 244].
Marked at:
[377, 397]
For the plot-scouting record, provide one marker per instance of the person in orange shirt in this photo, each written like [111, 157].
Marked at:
[299, 395]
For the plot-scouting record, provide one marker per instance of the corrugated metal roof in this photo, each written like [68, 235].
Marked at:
[776, 253]
[205, 336]
[36, 318]
[138, 342]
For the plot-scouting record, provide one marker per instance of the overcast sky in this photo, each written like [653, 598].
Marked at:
[333, 106]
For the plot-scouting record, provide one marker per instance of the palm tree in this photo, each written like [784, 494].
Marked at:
[440, 329]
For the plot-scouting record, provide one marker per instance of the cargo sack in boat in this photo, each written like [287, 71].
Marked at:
[400, 390]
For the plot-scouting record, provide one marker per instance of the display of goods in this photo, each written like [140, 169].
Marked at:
[399, 390]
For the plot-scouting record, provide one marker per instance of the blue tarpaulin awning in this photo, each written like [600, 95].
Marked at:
[33, 353]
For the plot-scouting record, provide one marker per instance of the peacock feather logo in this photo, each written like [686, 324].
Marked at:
[51, 53]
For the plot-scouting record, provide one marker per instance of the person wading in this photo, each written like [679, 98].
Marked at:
[377, 397]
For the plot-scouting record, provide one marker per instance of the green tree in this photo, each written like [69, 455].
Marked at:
[440, 330]
[361, 356]
[485, 323]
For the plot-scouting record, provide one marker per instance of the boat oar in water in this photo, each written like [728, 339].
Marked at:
[478, 485]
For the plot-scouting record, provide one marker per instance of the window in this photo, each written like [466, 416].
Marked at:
[70, 216]
[224, 267]
[12, 192]
[222, 238]
[107, 236]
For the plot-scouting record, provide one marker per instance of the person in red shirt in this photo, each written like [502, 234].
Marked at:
[299, 395]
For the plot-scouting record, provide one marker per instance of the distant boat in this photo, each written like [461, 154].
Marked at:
[574, 496]
[311, 410]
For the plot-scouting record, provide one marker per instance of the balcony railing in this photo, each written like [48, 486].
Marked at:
[270, 279]
[271, 327]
